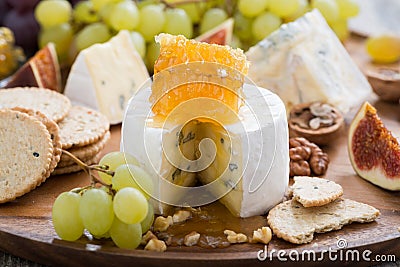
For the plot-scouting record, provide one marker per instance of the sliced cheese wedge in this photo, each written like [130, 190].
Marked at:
[104, 76]
[304, 61]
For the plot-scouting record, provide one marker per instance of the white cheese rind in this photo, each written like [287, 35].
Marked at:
[105, 76]
[304, 61]
[259, 150]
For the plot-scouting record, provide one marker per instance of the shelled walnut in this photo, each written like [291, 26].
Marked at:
[306, 158]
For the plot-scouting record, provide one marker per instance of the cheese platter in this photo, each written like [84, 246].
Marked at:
[77, 218]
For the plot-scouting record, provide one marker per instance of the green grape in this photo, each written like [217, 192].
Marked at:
[65, 216]
[114, 159]
[383, 48]
[303, 8]
[252, 8]
[105, 12]
[128, 175]
[61, 35]
[53, 12]
[212, 18]
[130, 206]
[96, 211]
[99, 4]
[178, 22]
[124, 16]
[143, 3]
[92, 34]
[284, 8]
[84, 12]
[347, 8]
[235, 42]
[139, 43]
[147, 222]
[242, 26]
[194, 10]
[152, 20]
[341, 29]
[153, 51]
[106, 235]
[125, 235]
[328, 8]
[265, 24]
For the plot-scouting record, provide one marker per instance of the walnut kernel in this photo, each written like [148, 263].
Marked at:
[156, 245]
[191, 239]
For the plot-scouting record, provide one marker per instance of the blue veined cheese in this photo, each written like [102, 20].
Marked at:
[105, 76]
[304, 61]
[250, 169]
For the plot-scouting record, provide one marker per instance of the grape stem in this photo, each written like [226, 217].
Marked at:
[88, 169]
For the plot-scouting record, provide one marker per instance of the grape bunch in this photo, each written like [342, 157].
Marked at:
[117, 209]
[95, 21]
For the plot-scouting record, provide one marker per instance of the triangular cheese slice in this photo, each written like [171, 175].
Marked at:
[105, 76]
[304, 61]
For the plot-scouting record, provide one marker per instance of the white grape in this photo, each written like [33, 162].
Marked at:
[65, 215]
[130, 206]
[96, 211]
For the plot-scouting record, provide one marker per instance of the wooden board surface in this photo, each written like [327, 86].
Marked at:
[26, 229]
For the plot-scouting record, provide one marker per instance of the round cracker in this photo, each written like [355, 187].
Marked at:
[26, 152]
[52, 104]
[84, 153]
[53, 129]
[82, 126]
[75, 167]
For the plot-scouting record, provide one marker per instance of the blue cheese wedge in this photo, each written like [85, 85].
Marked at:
[304, 61]
[104, 76]
[249, 167]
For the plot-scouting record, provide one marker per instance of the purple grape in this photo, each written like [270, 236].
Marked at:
[23, 6]
[4, 8]
[25, 28]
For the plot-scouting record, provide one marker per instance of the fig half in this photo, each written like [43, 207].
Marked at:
[374, 152]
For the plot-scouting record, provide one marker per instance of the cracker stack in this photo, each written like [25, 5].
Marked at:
[316, 207]
[35, 125]
[30, 145]
[84, 133]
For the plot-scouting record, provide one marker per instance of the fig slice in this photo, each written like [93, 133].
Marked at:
[374, 152]
[42, 70]
[221, 34]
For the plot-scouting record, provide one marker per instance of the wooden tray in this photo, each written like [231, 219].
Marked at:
[26, 229]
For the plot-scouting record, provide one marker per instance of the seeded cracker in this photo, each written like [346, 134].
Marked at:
[75, 167]
[293, 222]
[53, 129]
[311, 192]
[82, 126]
[84, 153]
[26, 152]
[52, 104]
